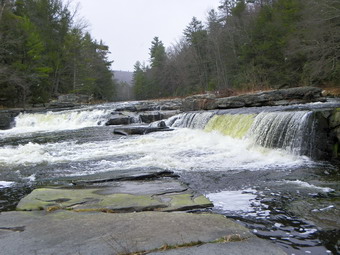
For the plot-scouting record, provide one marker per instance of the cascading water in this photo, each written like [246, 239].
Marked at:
[292, 131]
[192, 120]
[245, 157]
[235, 126]
[53, 121]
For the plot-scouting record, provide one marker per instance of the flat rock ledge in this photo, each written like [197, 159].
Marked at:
[122, 216]
[299, 95]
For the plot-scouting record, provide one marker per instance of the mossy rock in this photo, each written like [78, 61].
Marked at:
[52, 199]
[183, 202]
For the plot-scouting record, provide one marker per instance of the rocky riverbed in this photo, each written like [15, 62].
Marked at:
[101, 180]
[148, 213]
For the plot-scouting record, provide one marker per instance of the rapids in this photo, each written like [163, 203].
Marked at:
[250, 162]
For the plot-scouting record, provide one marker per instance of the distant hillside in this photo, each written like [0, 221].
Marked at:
[123, 76]
[124, 86]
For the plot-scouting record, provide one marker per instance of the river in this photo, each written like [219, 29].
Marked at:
[231, 158]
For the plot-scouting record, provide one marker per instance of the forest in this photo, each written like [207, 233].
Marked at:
[241, 46]
[245, 46]
[45, 52]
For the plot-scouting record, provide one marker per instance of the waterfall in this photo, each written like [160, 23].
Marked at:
[50, 121]
[292, 131]
[235, 126]
[197, 120]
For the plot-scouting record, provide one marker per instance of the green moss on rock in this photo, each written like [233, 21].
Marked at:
[51, 199]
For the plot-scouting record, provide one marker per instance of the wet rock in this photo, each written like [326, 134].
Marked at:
[334, 126]
[6, 119]
[119, 119]
[149, 117]
[126, 108]
[139, 130]
[122, 197]
[131, 176]
[67, 232]
[323, 212]
[242, 247]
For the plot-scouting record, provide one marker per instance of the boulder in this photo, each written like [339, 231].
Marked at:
[148, 117]
[7, 118]
[141, 130]
[119, 119]
[152, 116]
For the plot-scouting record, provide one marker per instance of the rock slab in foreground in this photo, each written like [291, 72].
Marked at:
[161, 195]
[64, 232]
[251, 246]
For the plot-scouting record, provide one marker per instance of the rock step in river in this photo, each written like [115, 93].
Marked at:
[129, 214]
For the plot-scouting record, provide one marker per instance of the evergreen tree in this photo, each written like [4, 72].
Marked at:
[42, 54]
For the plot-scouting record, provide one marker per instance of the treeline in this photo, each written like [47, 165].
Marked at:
[258, 44]
[44, 53]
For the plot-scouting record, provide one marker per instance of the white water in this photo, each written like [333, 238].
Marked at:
[293, 131]
[236, 201]
[287, 130]
[5, 184]
[310, 186]
[182, 149]
[56, 121]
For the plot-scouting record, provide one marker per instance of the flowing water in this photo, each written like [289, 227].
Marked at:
[253, 164]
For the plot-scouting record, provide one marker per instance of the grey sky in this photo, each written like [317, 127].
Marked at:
[128, 26]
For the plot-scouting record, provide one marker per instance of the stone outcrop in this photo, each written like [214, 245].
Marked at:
[334, 127]
[151, 105]
[123, 217]
[119, 119]
[7, 117]
[326, 139]
[152, 116]
[139, 130]
[68, 232]
[280, 97]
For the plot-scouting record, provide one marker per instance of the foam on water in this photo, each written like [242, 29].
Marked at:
[236, 201]
[5, 184]
[54, 121]
[311, 186]
[182, 149]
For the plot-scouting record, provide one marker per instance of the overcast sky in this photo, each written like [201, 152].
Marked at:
[129, 26]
